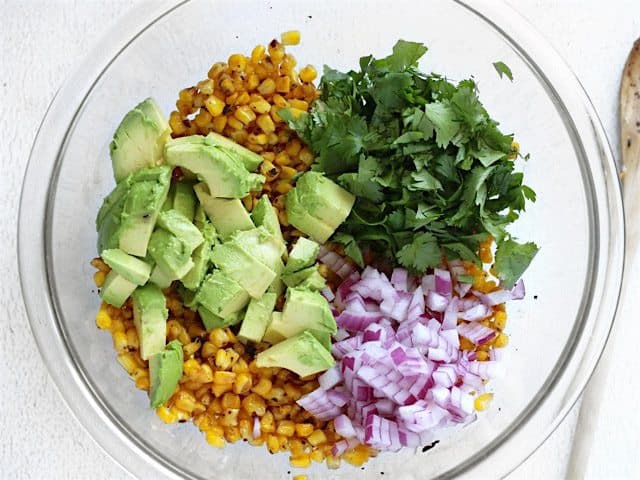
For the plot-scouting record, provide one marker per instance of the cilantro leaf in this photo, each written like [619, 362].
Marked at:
[405, 54]
[442, 116]
[512, 259]
[423, 252]
[351, 248]
[503, 69]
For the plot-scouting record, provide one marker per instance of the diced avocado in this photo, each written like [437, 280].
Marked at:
[303, 310]
[199, 218]
[302, 255]
[302, 354]
[260, 244]
[227, 216]
[300, 218]
[116, 289]
[170, 253]
[139, 140]
[179, 225]
[109, 218]
[168, 203]
[131, 268]
[165, 371]
[273, 333]
[221, 295]
[201, 257]
[277, 286]
[265, 215]
[253, 275]
[161, 278]
[150, 318]
[314, 281]
[294, 279]
[224, 174]
[184, 200]
[148, 192]
[188, 297]
[257, 317]
[210, 320]
[323, 337]
[250, 160]
[324, 199]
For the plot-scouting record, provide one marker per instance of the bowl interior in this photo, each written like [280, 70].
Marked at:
[176, 52]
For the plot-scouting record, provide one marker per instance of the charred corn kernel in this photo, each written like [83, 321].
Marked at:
[238, 136]
[482, 356]
[273, 138]
[269, 170]
[306, 156]
[265, 122]
[304, 429]
[245, 428]
[117, 325]
[293, 147]
[230, 400]
[292, 37]
[222, 359]
[286, 428]
[230, 418]
[227, 86]
[356, 457]
[501, 341]
[253, 403]
[223, 378]
[296, 446]
[202, 119]
[279, 101]
[103, 319]
[258, 53]
[221, 388]
[299, 104]
[282, 159]
[219, 123]
[242, 99]
[208, 350]
[317, 437]
[214, 105]
[333, 462]
[142, 382]
[267, 424]
[283, 219]
[247, 202]
[120, 342]
[308, 74]
[267, 87]
[166, 415]
[215, 439]
[317, 455]
[300, 461]
[234, 123]
[191, 367]
[260, 106]
[218, 337]
[253, 81]
[237, 62]
[500, 320]
[98, 278]
[245, 114]
[185, 401]
[482, 402]
[300, 477]
[232, 434]
[276, 52]
[273, 444]
[283, 84]
[242, 384]
[283, 186]
[132, 339]
[184, 337]
[260, 139]
[128, 362]
[176, 124]
[263, 387]
[287, 173]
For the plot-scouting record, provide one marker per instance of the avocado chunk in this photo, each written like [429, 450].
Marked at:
[308, 278]
[139, 140]
[302, 255]
[165, 371]
[170, 253]
[323, 337]
[149, 189]
[131, 268]
[257, 318]
[250, 160]
[200, 257]
[116, 289]
[273, 333]
[224, 174]
[109, 218]
[265, 215]
[184, 200]
[226, 215]
[317, 206]
[150, 318]
[260, 244]
[277, 286]
[221, 295]
[302, 354]
[300, 218]
[210, 320]
[179, 225]
[253, 275]
[161, 278]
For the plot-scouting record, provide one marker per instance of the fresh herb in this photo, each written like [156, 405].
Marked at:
[512, 259]
[432, 173]
[503, 69]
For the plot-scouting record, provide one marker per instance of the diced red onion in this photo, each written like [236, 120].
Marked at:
[330, 378]
[437, 302]
[479, 312]
[256, 427]
[476, 333]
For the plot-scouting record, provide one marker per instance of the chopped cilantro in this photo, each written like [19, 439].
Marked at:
[503, 69]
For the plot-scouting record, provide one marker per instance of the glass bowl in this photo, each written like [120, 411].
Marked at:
[556, 334]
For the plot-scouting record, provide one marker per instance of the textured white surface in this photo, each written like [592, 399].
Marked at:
[41, 41]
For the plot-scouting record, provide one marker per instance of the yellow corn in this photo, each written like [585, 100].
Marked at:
[214, 105]
[258, 53]
[98, 278]
[242, 384]
[300, 477]
[291, 37]
[300, 461]
[120, 342]
[304, 429]
[263, 387]
[103, 319]
[482, 402]
[501, 341]
[316, 438]
[245, 114]
[215, 439]
[219, 123]
[308, 74]
[286, 428]
[500, 320]
[254, 404]
[267, 87]
[166, 415]
[223, 378]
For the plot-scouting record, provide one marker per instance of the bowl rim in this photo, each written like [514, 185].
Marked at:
[598, 311]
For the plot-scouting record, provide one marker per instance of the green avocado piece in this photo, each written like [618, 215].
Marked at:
[221, 295]
[323, 337]
[224, 174]
[314, 281]
[277, 286]
[249, 159]
[168, 203]
[116, 289]
[188, 297]
[302, 255]
[149, 189]
[254, 276]
[176, 223]
[273, 333]
[184, 200]
[109, 218]
[150, 318]
[226, 215]
[260, 244]
[294, 279]
[165, 371]
[257, 318]
[300, 218]
[210, 320]
[139, 140]
[161, 278]
[131, 268]
[170, 253]
[323, 199]
[200, 217]
[200, 257]
[302, 354]
[265, 215]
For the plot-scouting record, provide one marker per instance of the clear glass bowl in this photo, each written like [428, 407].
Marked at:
[557, 333]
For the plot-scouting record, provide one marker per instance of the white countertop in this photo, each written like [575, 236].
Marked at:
[41, 41]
